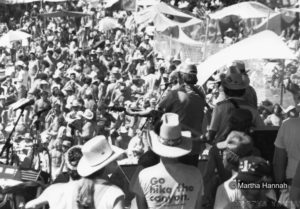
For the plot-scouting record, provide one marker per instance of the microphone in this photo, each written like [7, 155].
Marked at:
[23, 103]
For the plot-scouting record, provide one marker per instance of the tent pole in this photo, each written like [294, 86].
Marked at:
[267, 25]
[282, 84]
[206, 38]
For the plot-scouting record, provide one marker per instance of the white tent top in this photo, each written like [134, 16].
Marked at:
[148, 15]
[245, 10]
[263, 45]
[290, 9]
[11, 36]
[161, 22]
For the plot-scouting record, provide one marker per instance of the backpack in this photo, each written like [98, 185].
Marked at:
[240, 119]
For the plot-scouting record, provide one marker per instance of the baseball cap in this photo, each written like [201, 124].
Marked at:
[252, 169]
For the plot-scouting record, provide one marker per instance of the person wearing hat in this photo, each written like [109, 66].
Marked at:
[257, 172]
[169, 183]
[70, 94]
[89, 101]
[250, 94]
[188, 102]
[60, 195]
[177, 60]
[89, 126]
[145, 47]
[98, 161]
[234, 88]
[22, 74]
[237, 146]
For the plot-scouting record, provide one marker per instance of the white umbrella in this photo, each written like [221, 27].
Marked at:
[244, 10]
[11, 36]
[263, 45]
[108, 23]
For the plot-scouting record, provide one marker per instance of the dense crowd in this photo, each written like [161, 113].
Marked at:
[104, 99]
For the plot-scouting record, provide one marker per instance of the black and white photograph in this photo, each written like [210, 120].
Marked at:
[149, 104]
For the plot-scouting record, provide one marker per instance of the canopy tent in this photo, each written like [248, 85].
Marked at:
[148, 15]
[11, 36]
[161, 22]
[110, 3]
[64, 13]
[147, 3]
[244, 10]
[263, 45]
[18, 1]
[276, 22]
[291, 10]
[28, 1]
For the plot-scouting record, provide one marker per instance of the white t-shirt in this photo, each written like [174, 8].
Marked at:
[171, 186]
[64, 195]
[228, 193]
[288, 139]
[23, 77]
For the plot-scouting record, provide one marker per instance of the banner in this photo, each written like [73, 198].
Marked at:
[170, 47]
[128, 5]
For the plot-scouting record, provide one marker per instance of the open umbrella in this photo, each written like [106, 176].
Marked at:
[108, 23]
[64, 13]
[11, 36]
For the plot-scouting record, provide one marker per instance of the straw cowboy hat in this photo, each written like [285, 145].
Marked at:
[233, 80]
[88, 114]
[172, 142]
[97, 153]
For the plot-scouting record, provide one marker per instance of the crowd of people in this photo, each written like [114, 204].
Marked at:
[107, 99]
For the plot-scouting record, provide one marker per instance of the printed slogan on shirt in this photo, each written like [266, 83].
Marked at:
[160, 192]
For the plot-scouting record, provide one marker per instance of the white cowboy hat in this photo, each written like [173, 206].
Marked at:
[88, 114]
[60, 65]
[97, 153]
[172, 142]
[20, 63]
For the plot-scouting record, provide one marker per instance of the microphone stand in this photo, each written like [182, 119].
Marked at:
[7, 144]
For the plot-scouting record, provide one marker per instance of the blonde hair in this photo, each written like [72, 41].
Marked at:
[85, 197]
